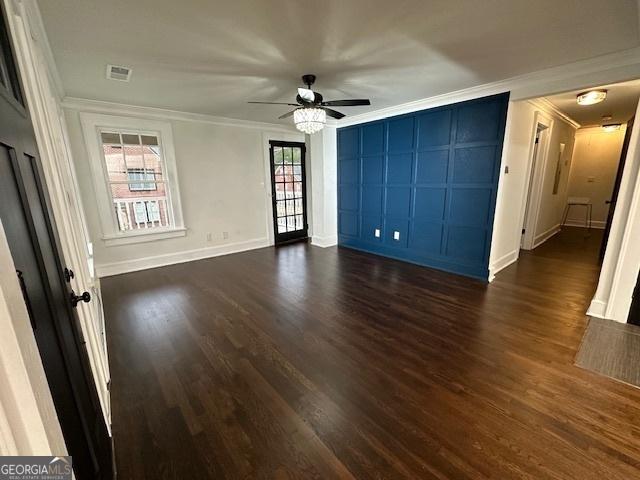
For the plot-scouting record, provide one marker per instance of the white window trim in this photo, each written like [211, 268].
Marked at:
[92, 123]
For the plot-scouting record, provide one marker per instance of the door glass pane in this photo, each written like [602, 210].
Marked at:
[288, 188]
[299, 222]
[280, 208]
[278, 173]
[288, 173]
[279, 191]
[290, 207]
[297, 155]
[297, 173]
[288, 156]
[298, 189]
[298, 206]
[282, 225]
[291, 224]
[277, 154]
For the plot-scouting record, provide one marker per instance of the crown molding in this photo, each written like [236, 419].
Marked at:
[99, 106]
[545, 104]
[610, 68]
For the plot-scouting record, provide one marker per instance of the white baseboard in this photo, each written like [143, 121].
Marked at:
[597, 308]
[324, 242]
[577, 223]
[134, 265]
[502, 262]
[544, 236]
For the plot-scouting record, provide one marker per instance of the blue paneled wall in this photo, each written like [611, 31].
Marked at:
[422, 187]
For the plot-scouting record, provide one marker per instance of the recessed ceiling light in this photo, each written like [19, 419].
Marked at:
[591, 97]
[612, 127]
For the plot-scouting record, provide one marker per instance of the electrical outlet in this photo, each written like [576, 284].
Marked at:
[377, 233]
[209, 236]
[225, 235]
[506, 169]
[396, 235]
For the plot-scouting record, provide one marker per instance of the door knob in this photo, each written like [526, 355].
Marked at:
[75, 299]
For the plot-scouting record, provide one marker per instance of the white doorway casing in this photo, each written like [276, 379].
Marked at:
[537, 165]
[621, 263]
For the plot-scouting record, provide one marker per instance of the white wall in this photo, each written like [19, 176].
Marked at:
[596, 157]
[552, 205]
[322, 148]
[224, 187]
[512, 187]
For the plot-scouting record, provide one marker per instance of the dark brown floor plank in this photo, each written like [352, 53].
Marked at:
[301, 362]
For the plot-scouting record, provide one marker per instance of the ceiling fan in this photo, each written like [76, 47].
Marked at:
[310, 114]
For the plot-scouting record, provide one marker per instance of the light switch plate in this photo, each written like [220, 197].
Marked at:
[377, 233]
[591, 179]
[396, 235]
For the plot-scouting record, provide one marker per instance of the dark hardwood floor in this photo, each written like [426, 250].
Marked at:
[309, 363]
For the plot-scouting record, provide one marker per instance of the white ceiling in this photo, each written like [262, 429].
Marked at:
[211, 56]
[621, 103]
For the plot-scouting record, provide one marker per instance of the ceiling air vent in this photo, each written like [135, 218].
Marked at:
[118, 72]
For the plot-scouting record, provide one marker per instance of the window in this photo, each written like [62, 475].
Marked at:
[135, 178]
[140, 174]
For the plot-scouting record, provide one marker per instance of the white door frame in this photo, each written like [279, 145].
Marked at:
[536, 168]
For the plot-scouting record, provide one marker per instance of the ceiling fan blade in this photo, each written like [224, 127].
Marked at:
[276, 103]
[288, 114]
[347, 103]
[306, 94]
[333, 113]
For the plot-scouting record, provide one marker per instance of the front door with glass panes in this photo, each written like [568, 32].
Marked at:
[288, 191]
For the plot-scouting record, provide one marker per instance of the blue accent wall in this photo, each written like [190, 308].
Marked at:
[431, 176]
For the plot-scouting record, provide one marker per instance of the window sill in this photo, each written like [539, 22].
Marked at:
[142, 237]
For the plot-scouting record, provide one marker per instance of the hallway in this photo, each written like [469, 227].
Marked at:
[302, 362]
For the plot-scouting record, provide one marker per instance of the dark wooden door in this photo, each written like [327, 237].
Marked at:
[616, 188]
[289, 193]
[34, 245]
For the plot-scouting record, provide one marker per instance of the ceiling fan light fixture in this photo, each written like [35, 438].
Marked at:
[591, 97]
[310, 120]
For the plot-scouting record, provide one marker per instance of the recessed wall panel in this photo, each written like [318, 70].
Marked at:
[426, 182]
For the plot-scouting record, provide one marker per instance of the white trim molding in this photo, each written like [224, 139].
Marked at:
[143, 237]
[92, 123]
[113, 108]
[544, 236]
[137, 264]
[502, 263]
[544, 104]
[324, 242]
[597, 308]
